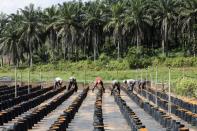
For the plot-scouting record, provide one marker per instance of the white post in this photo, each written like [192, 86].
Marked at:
[21, 78]
[151, 78]
[29, 81]
[141, 81]
[84, 76]
[169, 93]
[15, 83]
[156, 84]
[53, 76]
[117, 73]
[136, 74]
[146, 82]
[137, 79]
[41, 78]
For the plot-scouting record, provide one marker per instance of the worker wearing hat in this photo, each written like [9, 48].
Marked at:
[73, 83]
[58, 82]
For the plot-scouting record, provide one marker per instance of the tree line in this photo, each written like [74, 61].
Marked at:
[83, 30]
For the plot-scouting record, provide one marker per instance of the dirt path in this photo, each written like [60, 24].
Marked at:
[48, 120]
[150, 123]
[112, 117]
[83, 120]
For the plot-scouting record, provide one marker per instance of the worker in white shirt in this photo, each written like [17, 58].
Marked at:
[73, 83]
[115, 86]
[130, 84]
[58, 82]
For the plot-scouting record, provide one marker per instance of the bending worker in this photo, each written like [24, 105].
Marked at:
[115, 86]
[58, 82]
[73, 83]
[142, 84]
[130, 84]
[97, 82]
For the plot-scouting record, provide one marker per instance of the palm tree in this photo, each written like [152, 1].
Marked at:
[116, 23]
[51, 16]
[3, 22]
[73, 30]
[137, 20]
[31, 30]
[166, 12]
[67, 26]
[9, 41]
[188, 22]
[93, 24]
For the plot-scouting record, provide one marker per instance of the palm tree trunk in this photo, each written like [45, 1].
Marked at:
[64, 47]
[30, 51]
[138, 39]
[84, 47]
[1, 60]
[194, 45]
[118, 49]
[30, 57]
[166, 36]
[97, 44]
[9, 60]
[94, 47]
[163, 37]
[31, 62]
[51, 42]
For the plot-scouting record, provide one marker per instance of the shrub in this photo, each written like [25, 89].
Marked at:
[118, 65]
[187, 87]
[137, 58]
[103, 59]
[181, 61]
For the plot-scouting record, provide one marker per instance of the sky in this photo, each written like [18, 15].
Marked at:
[10, 6]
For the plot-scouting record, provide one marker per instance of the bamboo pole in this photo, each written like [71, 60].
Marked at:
[169, 92]
[29, 81]
[156, 81]
[15, 83]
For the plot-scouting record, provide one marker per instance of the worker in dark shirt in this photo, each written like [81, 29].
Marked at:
[73, 83]
[115, 86]
[58, 82]
[130, 84]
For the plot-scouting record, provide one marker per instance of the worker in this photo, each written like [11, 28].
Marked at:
[97, 82]
[115, 86]
[73, 83]
[142, 84]
[130, 84]
[58, 82]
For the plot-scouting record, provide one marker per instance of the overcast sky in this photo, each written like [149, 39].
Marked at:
[10, 6]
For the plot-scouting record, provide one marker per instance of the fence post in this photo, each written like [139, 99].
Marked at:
[136, 74]
[41, 78]
[169, 92]
[117, 74]
[29, 81]
[156, 83]
[21, 78]
[15, 83]
[146, 81]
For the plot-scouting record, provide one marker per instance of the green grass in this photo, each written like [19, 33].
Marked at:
[176, 73]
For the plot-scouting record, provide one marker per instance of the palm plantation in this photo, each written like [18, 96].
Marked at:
[77, 30]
